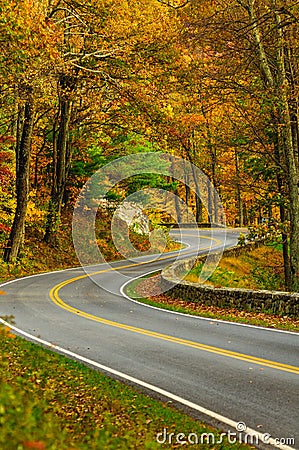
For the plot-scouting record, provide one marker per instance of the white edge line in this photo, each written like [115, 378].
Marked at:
[207, 412]
[82, 268]
[122, 291]
[39, 275]
[150, 306]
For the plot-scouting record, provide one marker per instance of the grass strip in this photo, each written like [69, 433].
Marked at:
[169, 303]
[261, 268]
[50, 402]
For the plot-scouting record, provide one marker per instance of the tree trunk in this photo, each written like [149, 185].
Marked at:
[238, 191]
[187, 191]
[294, 201]
[176, 198]
[210, 204]
[198, 202]
[277, 83]
[23, 153]
[290, 154]
[213, 208]
[190, 153]
[61, 161]
[284, 237]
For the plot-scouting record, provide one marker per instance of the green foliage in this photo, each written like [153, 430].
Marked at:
[86, 167]
[242, 240]
[122, 144]
[222, 276]
[270, 231]
[127, 144]
[266, 279]
[21, 416]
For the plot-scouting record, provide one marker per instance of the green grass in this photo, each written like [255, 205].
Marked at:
[48, 401]
[261, 268]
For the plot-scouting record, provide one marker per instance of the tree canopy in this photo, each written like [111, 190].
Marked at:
[83, 83]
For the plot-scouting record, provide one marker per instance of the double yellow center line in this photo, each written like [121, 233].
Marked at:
[55, 297]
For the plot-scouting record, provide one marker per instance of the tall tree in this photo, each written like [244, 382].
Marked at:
[252, 49]
[26, 56]
[109, 49]
[26, 117]
[280, 84]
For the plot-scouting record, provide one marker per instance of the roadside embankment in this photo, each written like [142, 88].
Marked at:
[274, 302]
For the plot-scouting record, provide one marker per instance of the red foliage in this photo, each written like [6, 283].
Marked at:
[38, 445]
[5, 159]
[4, 228]
[7, 139]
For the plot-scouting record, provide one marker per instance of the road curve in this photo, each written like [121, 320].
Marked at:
[226, 372]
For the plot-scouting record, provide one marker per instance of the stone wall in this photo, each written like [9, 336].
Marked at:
[275, 302]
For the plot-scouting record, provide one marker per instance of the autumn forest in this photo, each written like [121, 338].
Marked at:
[215, 83]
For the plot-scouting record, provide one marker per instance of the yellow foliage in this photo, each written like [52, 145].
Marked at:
[10, 204]
[238, 265]
[192, 278]
[33, 213]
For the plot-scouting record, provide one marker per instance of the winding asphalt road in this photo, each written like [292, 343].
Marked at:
[230, 375]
